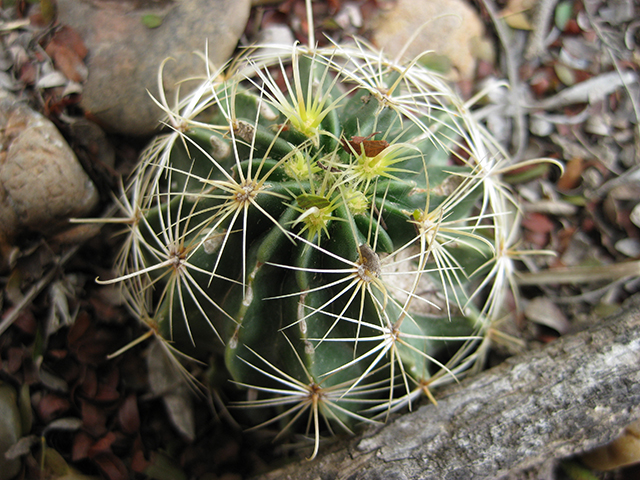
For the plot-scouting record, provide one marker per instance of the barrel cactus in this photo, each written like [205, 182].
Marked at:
[329, 225]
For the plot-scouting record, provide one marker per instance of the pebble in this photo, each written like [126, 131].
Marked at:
[125, 53]
[450, 29]
[42, 183]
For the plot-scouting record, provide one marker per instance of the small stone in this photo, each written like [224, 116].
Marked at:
[450, 29]
[41, 182]
[125, 54]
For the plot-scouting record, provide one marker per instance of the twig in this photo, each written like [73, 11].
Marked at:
[556, 276]
[10, 317]
[543, 13]
[511, 61]
[625, 81]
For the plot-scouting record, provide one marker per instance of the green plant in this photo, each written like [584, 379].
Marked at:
[331, 223]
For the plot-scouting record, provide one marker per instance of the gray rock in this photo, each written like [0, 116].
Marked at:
[450, 29]
[41, 182]
[124, 54]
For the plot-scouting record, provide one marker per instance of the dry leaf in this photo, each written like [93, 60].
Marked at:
[67, 50]
[572, 175]
[167, 383]
[624, 450]
[544, 312]
[128, 415]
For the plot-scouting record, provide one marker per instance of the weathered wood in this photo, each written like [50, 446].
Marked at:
[508, 422]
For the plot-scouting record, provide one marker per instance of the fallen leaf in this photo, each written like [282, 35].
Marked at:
[538, 223]
[94, 419]
[572, 175]
[167, 383]
[138, 462]
[89, 386]
[68, 62]
[162, 467]
[634, 216]
[543, 311]
[51, 406]
[112, 467]
[82, 442]
[624, 450]
[108, 387]
[71, 39]
[52, 80]
[22, 447]
[102, 445]
[67, 423]
[128, 415]
[89, 342]
[14, 360]
[27, 73]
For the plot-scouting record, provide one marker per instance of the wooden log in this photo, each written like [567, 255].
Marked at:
[510, 422]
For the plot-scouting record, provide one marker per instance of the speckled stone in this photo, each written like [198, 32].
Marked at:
[41, 182]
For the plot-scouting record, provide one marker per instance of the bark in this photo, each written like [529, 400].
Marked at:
[513, 421]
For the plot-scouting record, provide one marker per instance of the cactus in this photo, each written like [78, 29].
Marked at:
[330, 223]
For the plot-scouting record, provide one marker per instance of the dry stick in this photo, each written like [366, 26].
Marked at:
[514, 420]
[514, 82]
[564, 275]
[33, 292]
[609, 49]
[543, 16]
[10, 317]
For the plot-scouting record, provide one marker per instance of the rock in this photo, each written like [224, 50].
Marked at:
[41, 182]
[125, 54]
[451, 29]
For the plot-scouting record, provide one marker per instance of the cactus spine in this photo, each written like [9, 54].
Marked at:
[328, 222]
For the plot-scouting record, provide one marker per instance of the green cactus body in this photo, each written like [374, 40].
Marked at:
[319, 237]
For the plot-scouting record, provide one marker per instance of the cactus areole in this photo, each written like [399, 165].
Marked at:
[327, 222]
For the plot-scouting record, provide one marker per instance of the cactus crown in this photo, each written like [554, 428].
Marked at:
[329, 222]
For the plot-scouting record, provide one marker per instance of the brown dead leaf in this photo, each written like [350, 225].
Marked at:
[537, 229]
[112, 467]
[94, 419]
[538, 222]
[108, 387]
[102, 445]
[14, 361]
[572, 175]
[67, 61]
[81, 444]
[138, 462]
[624, 450]
[128, 415]
[89, 342]
[79, 328]
[68, 37]
[89, 386]
[51, 406]
[67, 50]
[26, 322]
[28, 73]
